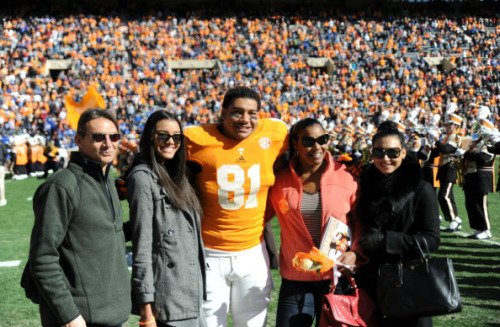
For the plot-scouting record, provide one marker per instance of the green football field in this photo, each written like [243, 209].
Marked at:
[477, 263]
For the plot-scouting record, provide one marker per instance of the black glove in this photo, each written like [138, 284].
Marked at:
[372, 241]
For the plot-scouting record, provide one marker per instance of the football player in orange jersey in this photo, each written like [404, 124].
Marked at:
[233, 167]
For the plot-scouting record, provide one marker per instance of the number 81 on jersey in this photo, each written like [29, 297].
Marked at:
[231, 193]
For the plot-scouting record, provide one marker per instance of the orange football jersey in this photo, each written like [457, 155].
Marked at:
[234, 181]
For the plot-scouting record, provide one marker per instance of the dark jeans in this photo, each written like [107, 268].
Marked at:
[299, 302]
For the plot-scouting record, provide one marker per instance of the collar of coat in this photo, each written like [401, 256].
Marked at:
[383, 197]
[89, 165]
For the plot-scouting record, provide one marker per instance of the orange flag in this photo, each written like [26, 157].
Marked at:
[74, 109]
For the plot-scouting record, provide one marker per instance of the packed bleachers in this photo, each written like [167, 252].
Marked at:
[379, 65]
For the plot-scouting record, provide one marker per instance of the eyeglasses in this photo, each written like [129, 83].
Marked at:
[164, 137]
[100, 137]
[309, 141]
[380, 153]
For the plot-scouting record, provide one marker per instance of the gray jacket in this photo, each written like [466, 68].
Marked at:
[169, 262]
[77, 250]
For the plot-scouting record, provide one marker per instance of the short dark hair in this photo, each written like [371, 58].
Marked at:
[388, 128]
[92, 114]
[299, 127]
[240, 92]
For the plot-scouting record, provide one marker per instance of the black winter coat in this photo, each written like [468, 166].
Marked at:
[400, 205]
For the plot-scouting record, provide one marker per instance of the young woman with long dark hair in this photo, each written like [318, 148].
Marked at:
[168, 273]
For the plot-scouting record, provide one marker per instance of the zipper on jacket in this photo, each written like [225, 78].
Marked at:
[104, 179]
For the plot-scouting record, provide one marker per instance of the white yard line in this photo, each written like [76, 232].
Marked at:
[12, 263]
[486, 241]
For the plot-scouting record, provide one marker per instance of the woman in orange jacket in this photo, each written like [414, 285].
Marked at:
[313, 188]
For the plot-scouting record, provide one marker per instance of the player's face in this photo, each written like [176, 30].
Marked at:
[101, 151]
[167, 139]
[240, 119]
[310, 151]
[385, 164]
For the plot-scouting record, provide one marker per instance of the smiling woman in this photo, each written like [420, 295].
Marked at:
[167, 139]
[388, 154]
[395, 205]
[306, 194]
[168, 271]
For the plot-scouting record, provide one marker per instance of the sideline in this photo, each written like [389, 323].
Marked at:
[486, 241]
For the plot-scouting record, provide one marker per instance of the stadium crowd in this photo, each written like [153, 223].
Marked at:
[435, 77]
[379, 68]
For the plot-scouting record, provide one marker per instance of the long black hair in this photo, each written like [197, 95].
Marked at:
[172, 173]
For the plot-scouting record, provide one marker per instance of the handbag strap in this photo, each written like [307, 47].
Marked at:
[351, 281]
[425, 258]
[426, 246]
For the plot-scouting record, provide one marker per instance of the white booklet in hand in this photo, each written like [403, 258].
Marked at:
[336, 238]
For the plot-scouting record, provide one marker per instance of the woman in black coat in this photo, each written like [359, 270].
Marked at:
[395, 204]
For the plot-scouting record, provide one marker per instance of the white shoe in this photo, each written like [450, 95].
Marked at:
[455, 225]
[3, 202]
[440, 218]
[480, 235]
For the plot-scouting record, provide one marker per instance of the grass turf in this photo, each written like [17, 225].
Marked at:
[477, 264]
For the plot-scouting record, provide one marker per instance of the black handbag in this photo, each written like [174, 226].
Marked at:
[423, 287]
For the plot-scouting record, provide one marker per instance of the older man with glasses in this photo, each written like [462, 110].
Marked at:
[77, 251]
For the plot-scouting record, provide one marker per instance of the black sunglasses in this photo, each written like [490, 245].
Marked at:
[100, 137]
[380, 153]
[309, 141]
[164, 137]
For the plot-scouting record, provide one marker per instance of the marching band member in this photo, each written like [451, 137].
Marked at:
[479, 179]
[495, 148]
[414, 143]
[334, 141]
[359, 143]
[447, 175]
[362, 146]
[346, 141]
[429, 155]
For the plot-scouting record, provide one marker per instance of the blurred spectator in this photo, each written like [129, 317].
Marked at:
[3, 161]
